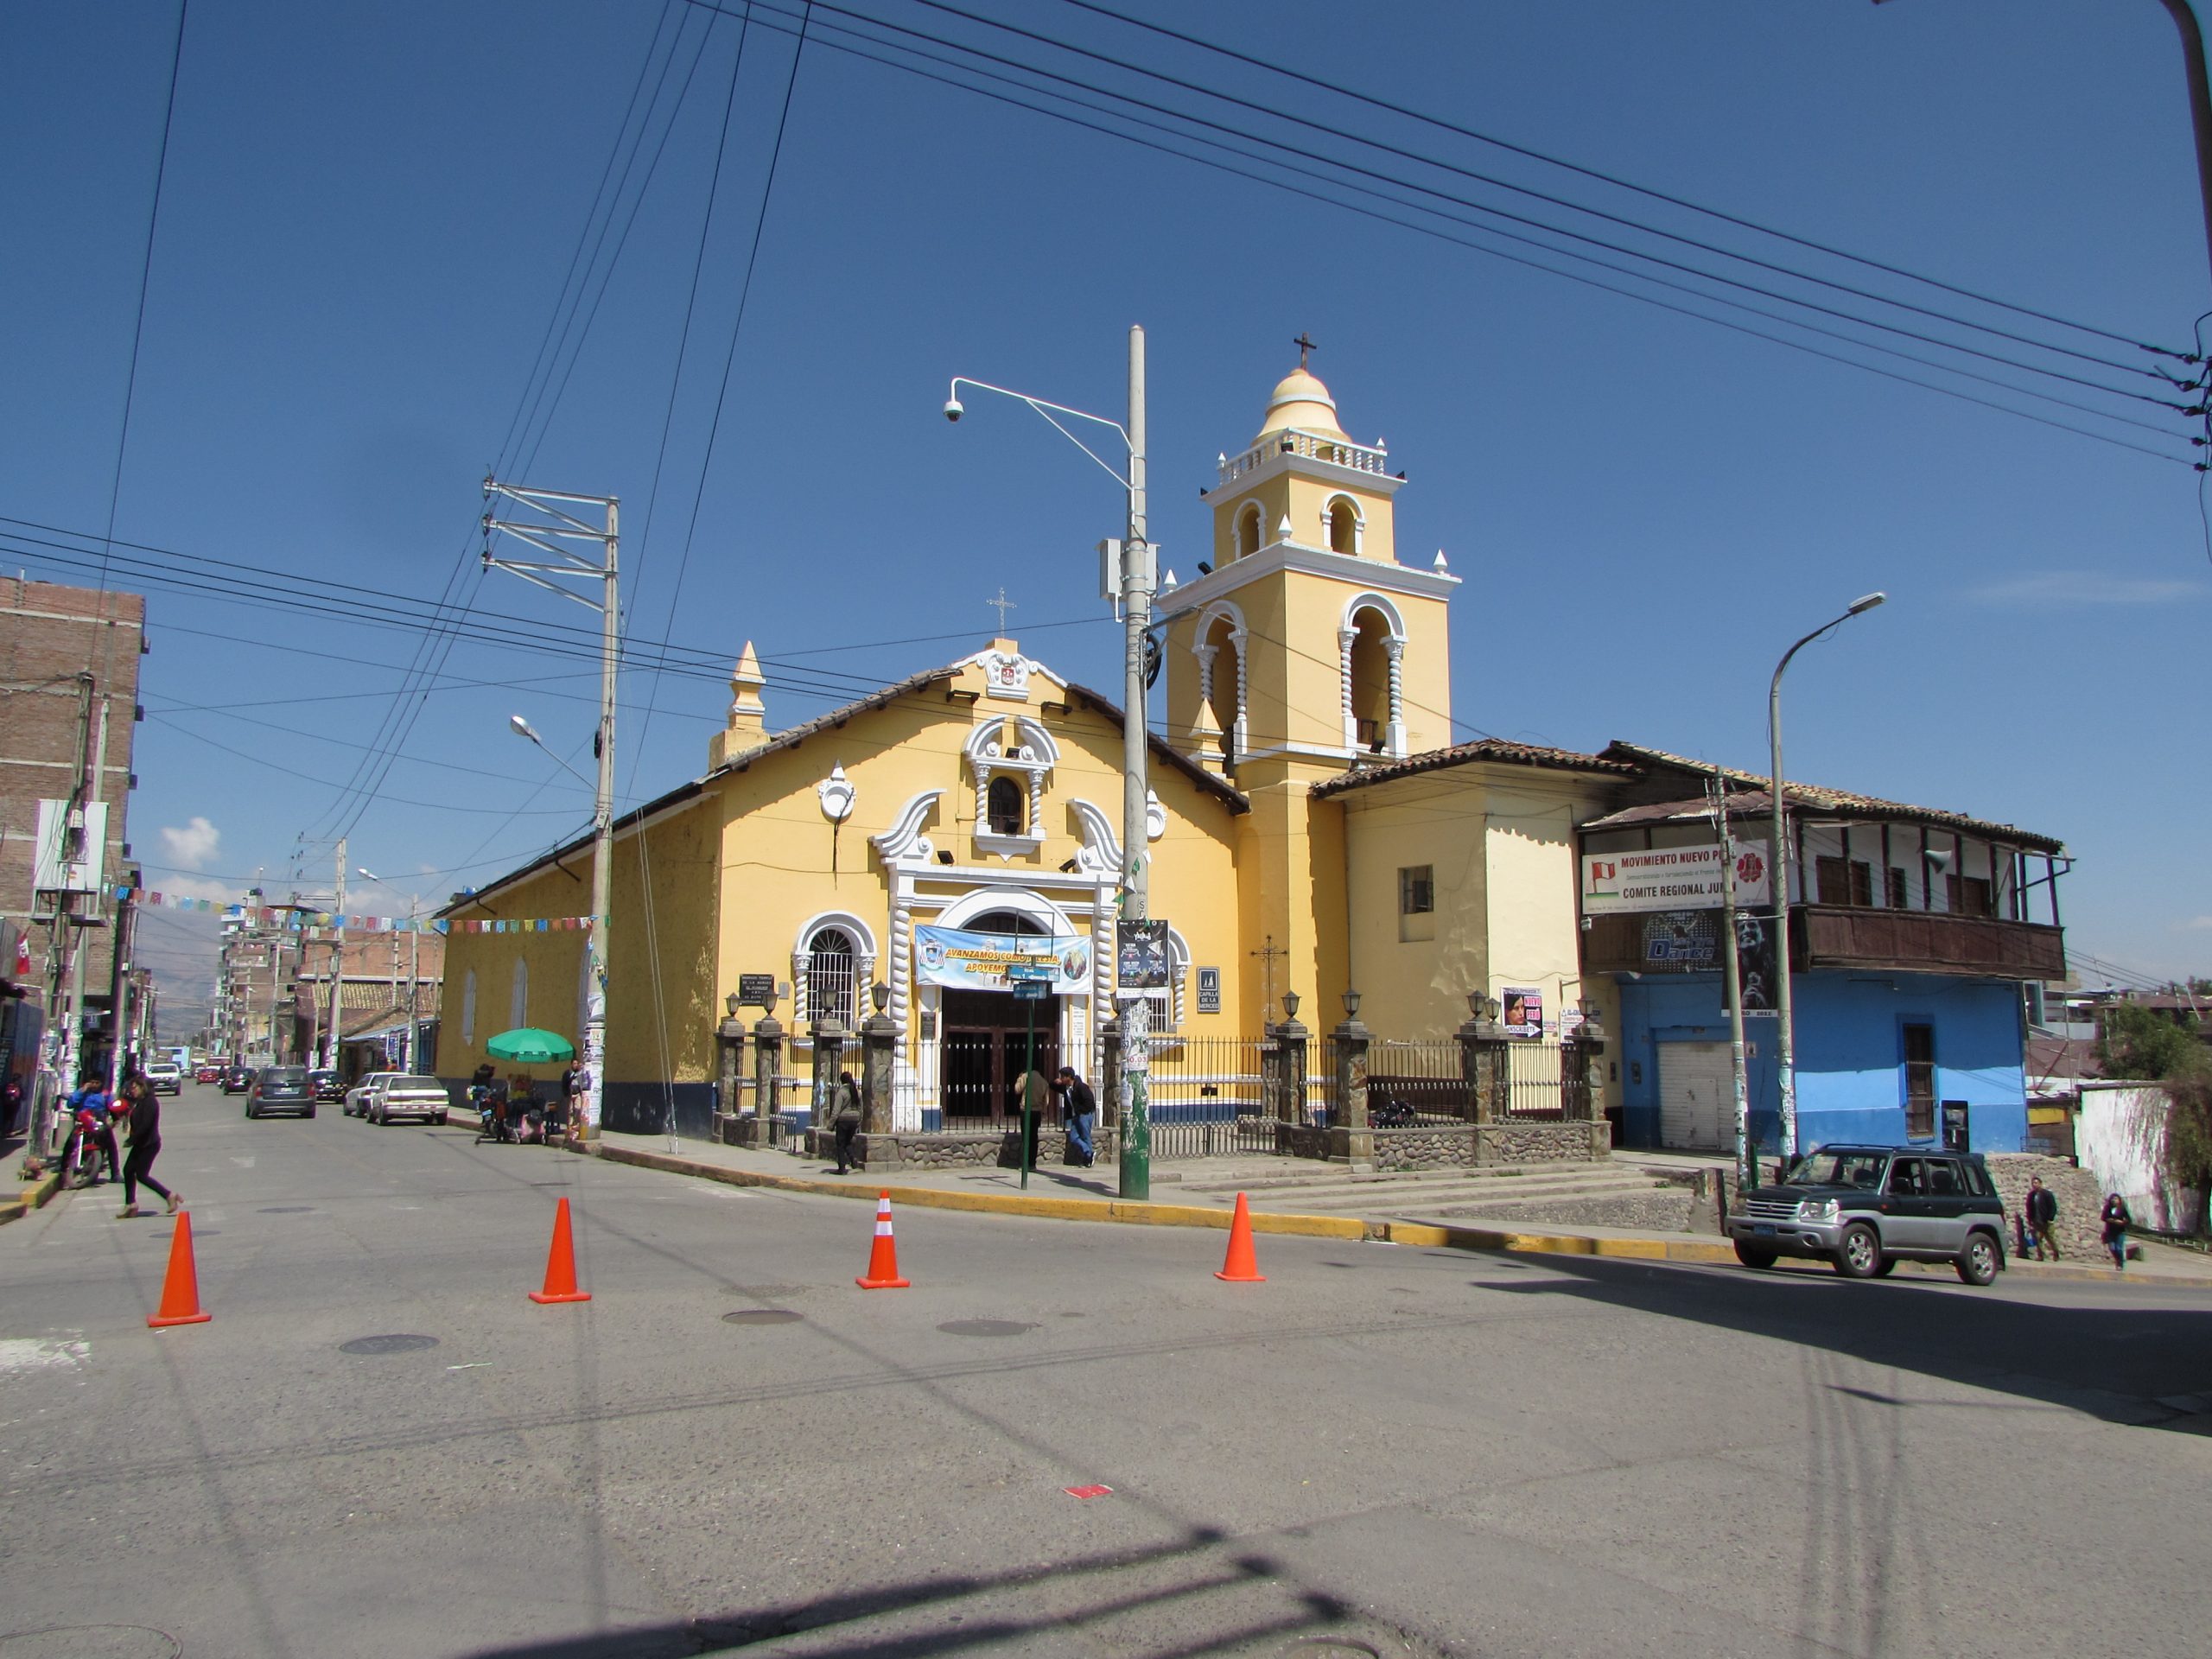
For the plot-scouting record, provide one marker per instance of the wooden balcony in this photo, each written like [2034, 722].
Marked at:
[1833, 936]
[1915, 941]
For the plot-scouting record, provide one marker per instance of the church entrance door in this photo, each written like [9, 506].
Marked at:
[986, 1038]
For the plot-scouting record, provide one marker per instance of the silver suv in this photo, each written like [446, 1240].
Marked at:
[1866, 1209]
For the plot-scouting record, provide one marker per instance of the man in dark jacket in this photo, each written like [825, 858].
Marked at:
[1079, 1109]
[2043, 1218]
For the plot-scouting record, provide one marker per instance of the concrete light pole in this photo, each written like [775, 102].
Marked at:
[1136, 566]
[559, 526]
[1785, 1035]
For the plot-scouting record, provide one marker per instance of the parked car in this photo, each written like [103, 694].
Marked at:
[1866, 1209]
[328, 1085]
[208, 1071]
[357, 1098]
[397, 1095]
[166, 1078]
[240, 1079]
[280, 1088]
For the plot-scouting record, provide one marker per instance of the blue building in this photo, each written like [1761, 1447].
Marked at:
[1910, 940]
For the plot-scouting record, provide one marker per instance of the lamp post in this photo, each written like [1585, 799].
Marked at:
[1785, 1035]
[1136, 585]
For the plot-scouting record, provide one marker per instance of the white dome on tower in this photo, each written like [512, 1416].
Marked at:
[1300, 400]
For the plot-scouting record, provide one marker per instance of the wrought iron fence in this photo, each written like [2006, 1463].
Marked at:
[1533, 1072]
[1207, 1097]
[1411, 1084]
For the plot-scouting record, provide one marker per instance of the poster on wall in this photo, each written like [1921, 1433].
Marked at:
[1758, 969]
[1524, 1011]
[1141, 963]
[1681, 940]
[964, 960]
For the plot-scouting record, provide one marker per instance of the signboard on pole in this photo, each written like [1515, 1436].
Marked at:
[1670, 878]
[1142, 958]
[1031, 990]
[72, 846]
[964, 960]
[1757, 965]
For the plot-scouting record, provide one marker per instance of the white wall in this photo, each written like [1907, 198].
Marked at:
[2121, 1137]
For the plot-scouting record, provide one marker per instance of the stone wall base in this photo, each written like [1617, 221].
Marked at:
[952, 1149]
[1478, 1145]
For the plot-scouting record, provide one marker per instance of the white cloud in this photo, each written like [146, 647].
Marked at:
[2060, 588]
[194, 846]
[2195, 922]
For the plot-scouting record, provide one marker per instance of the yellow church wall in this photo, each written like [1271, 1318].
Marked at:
[679, 850]
[1310, 499]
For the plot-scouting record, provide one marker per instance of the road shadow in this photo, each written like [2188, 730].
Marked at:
[1088, 1593]
[2116, 1362]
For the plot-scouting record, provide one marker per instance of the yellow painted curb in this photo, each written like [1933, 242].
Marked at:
[30, 1198]
[1628, 1249]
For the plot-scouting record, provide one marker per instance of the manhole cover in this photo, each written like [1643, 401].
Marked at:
[390, 1344]
[92, 1642]
[288, 1210]
[761, 1316]
[985, 1328]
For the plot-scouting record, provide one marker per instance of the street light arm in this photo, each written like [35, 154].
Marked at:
[1046, 410]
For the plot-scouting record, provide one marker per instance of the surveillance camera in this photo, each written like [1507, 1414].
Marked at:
[952, 409]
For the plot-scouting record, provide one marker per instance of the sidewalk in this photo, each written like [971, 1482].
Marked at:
[1059, 1192]
[21, 1197]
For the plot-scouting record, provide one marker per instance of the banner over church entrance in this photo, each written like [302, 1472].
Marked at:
[960, 959]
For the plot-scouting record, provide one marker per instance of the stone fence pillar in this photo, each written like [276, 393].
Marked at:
[1286, 1064]
[828, 1035]
[1580, 1084]
[878, 1060]
[1483, 1043]
[730, 1053]
[759, 1129]
[1348, 1135]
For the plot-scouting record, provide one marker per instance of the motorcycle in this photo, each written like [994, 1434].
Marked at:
[82, 1154]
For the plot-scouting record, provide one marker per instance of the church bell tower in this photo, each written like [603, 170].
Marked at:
[1305, 651]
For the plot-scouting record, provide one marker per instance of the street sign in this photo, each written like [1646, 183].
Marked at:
[1031, 990]
[1045, 972]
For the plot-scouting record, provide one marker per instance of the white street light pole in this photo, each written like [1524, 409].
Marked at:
[549, 535]
[1138, 567]
[1785, 1033]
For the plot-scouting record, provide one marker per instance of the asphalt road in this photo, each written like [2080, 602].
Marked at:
[1381, 1449]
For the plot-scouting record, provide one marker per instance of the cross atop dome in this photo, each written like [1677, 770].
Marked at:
[1304, 345]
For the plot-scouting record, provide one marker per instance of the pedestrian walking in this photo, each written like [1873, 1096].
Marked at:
[1036, 1095]
[1079, 1108]
[845, 1115]
[2043, 1217]
[144, 1118]
[2117, 1221]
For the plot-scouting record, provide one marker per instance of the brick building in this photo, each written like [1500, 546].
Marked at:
[68, 702]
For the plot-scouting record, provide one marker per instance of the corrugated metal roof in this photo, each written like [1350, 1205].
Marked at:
[1492, 749]
[1810, 799]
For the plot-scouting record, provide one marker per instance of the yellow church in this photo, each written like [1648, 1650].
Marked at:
[1313, 830]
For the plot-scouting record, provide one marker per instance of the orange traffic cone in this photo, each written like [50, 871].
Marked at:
[180, 1290]
[883, 1255]
[561, 1265]
[1241, 1267]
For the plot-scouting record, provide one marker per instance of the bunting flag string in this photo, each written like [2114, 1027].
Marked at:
[321, 924]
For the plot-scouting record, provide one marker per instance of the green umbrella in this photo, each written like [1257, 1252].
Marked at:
[531, 1046]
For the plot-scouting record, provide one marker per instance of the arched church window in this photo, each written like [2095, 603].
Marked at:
[1008, 921]
[829, 976]
[1248, 530]
[1344, 526]
[1370, 682]
[1005, 807]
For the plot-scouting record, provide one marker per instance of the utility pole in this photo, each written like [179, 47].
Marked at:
[550, 537]
[1137, 581]
[73, 1036]
[414, 977]
[1746, 1177]
[329, 1050]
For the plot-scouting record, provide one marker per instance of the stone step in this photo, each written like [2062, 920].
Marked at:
[1330, 1178]
[1455, 1200]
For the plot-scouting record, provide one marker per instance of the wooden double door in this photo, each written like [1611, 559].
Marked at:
[987, 1036]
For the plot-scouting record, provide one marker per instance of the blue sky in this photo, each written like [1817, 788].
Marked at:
[368, 214]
